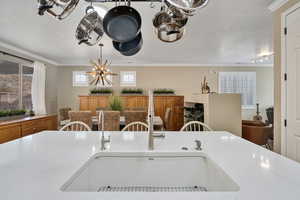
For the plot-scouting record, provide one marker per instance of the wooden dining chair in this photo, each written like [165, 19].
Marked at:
[64, 114]
[111, 120]
[135, 116]
[166, 120]
[136, 126]
[82, 116]
[195, 126]
[75, 126]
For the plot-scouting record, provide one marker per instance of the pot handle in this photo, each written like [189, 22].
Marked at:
[51, 13]
[82, 41]
[128, 2]
[172, 32]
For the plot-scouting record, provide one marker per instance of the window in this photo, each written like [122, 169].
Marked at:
[15, 86]
[128, 78]
[80, 79]
[26, 87]
[243, 83]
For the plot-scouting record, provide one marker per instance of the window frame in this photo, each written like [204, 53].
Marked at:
[254, 98]
[127, 84]
[77, 84]
[21, 64]
[74, 84]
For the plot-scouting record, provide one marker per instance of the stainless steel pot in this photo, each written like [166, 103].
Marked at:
[169, 24]
[90, 29]
[169, 32]
[60, 9]
[161, 17]
[177, 16]
[188, 5]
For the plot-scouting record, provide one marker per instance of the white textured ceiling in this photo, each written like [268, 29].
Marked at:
[226, 32]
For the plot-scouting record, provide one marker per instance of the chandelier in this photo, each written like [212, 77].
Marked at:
[100, 73]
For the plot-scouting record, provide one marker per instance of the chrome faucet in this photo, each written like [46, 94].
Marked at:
[103, 140]
[198, 145]
[150, 121]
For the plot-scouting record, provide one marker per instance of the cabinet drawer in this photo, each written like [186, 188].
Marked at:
[33, 126]
[8, 133]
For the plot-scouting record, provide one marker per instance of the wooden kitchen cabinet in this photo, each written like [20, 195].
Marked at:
[33, 126]
[11, 130]
[131, 102]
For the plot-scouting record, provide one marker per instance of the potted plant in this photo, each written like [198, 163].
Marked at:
[115, 103]
[163, 91]
[101, 91]
[11, 114]
[132, 91]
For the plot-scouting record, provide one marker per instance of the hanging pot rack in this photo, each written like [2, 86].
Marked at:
[104, 1]
[123, 23]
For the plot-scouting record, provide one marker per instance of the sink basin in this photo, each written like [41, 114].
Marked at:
[150, 172]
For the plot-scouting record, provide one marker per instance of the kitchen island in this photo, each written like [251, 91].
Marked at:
[36, 167]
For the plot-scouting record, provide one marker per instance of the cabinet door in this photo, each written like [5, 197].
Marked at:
[124, 100]
[103, 102]
[93, 104]
[178, 117]
[10, 132]
[142, 102]
[131, 102]
[160, 104]
[84, 103]
[51, 123]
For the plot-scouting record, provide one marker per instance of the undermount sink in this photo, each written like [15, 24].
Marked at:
[150, 172]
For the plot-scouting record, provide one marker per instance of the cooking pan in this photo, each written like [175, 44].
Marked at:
[129, 48]
[122, 23]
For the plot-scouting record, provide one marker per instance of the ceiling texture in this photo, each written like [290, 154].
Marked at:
[225, 32]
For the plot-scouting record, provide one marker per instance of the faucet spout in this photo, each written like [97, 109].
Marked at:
[150, 121]
[103, 140]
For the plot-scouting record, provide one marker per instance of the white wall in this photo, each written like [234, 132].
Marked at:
[51, 89]
[184, 80]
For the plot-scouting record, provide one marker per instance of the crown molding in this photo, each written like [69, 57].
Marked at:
[276, 5]
[16, 50]
[175, 65]
[33, 56]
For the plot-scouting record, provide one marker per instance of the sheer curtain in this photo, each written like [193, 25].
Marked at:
[38, 88]
[243, 83]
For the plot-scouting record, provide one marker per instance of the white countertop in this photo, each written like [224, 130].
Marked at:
[35, 167]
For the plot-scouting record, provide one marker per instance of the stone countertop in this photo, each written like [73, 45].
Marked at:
[35, 167]
[23, 119]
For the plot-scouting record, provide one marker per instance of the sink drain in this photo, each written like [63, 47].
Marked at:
[151, 189]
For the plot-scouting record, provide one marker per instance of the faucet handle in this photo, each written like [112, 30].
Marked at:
[198, 145]
[107, 139]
